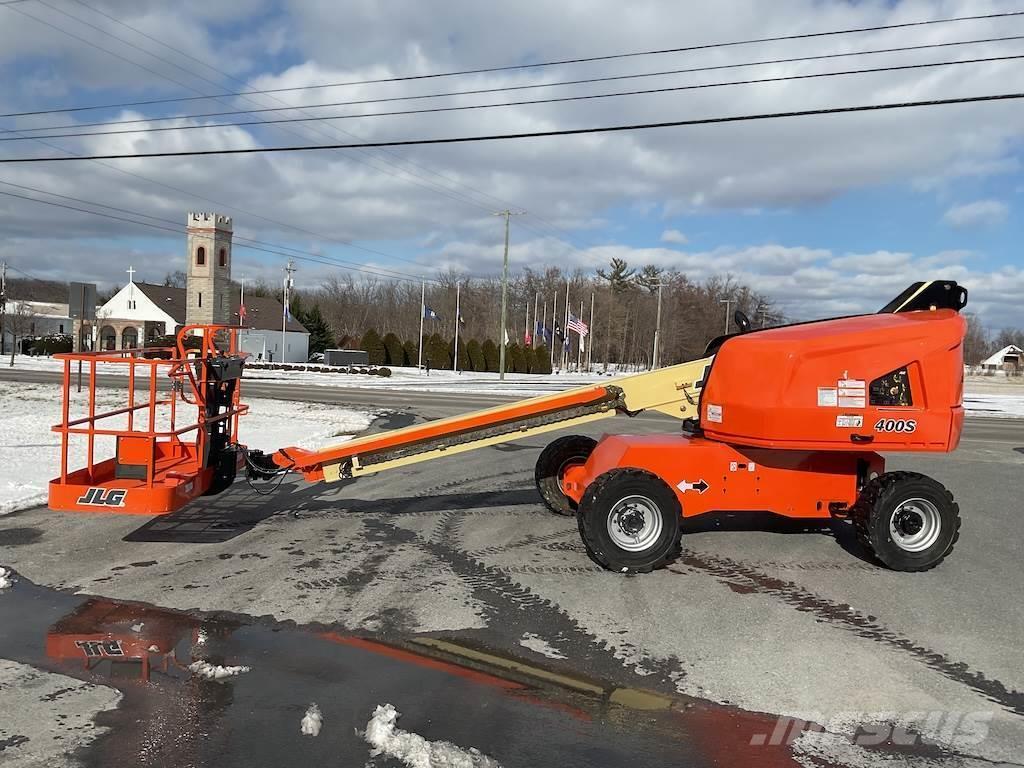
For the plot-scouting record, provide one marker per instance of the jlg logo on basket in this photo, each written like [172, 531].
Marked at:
[97, 497]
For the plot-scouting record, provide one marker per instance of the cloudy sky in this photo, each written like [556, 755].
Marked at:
[827, 214]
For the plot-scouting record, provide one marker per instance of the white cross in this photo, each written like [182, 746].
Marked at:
[131, 274]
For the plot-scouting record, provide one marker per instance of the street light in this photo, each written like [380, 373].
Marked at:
[727, 302]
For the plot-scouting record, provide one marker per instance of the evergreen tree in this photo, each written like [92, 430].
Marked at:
[490, 353]
[440, 357]
[411, 351]
[476, 356]
[394, 350]
[514, 362]
[320, 335]
[542, 360]
[374, 347]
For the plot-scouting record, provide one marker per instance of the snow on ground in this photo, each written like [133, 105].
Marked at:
[208, 671]
[312, 721]
[30, 452]
[414, 750]
[540, 645]
[5, 579]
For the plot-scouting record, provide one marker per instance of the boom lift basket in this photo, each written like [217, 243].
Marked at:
[174, 437]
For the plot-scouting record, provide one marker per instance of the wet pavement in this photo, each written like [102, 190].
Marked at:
[170, 717]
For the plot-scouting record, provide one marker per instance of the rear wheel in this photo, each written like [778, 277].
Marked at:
[630, 521]
[908, 521]
[551, 465]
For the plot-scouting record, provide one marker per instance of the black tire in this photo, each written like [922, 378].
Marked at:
[908, 521]
[604, 507]
[550, 464]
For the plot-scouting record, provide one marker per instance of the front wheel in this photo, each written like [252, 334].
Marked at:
[630, 521]
[907, 520]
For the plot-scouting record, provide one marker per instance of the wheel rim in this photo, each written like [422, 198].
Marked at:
[634, 523]
[915, 525]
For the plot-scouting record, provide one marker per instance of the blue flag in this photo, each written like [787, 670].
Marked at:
[429, 314]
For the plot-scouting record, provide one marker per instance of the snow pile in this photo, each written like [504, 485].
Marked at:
[30, 452]
[540, 645]
[312, 721]
[6, 579]
[414, 750]
[208, 671]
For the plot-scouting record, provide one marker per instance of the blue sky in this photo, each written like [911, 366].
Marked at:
[826, 214]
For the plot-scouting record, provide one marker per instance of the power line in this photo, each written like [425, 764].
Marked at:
[537, 134]
[442, 190]
[424, 182]
[560, 99]
[502, 89]
[176, 189]
[295, 253]
[538, 65]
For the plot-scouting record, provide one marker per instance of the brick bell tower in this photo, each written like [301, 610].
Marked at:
[208, 287]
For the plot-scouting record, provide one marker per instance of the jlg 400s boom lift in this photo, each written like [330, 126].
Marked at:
[787, 420]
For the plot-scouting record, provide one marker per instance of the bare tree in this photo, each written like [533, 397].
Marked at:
[19, 321]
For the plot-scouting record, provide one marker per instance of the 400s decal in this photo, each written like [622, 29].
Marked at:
[896, 425]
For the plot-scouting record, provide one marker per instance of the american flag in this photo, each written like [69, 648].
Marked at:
[577, 325]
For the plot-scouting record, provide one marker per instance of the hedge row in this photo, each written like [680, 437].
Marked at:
[439, 353]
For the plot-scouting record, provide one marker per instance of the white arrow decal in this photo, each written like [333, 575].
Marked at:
[700, 486]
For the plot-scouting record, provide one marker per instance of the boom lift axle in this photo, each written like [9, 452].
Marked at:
[784, 420]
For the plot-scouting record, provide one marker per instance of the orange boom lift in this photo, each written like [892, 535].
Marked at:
[787, 420]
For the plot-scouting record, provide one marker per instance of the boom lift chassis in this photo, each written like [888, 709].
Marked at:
[780, 420]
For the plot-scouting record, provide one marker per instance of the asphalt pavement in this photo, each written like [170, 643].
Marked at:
[456, 563]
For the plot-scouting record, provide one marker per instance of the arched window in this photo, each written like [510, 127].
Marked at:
[223, 257]
[200, 255]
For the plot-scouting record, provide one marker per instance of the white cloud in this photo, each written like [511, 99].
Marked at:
[674, 236]
[981, 213]
[434, 203]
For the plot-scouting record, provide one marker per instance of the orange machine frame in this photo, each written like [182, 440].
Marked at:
[154, 470]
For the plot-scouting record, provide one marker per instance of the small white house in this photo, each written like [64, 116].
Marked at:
[1008, 359]
[45, 318]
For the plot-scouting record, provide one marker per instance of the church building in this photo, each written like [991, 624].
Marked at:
[140, 312]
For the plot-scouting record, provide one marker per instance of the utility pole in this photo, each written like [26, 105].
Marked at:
[504, 292]
[727, 302]
[590, 346]
[423, 311]
[458, 319]
[289, 270]
[656, 357]
[3, 304]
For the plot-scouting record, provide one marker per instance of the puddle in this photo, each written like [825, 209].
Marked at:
[168, 717]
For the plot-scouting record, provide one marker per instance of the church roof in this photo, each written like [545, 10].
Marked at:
[263, 313]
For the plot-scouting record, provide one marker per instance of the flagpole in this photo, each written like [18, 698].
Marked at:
[579, 351]
[544, 322]
[565, 325]
[526, 330]
[590, 347]
[423, 309]
[554, 314]
[537, 303]
[455, 361]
